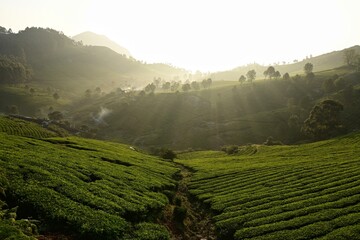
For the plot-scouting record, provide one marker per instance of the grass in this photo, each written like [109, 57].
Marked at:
[89, 188]
[282, 192]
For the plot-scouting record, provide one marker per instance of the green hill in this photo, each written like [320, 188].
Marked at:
[60, 62]
[323, 62]
[286, 192]
[226, 113]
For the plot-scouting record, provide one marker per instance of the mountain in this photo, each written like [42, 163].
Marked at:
[323, 62]
[58, 61]
[93, 39]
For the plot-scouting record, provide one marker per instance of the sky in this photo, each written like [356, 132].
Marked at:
[205, 35]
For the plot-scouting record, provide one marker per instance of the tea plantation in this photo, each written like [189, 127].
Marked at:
[84, 188]
[309, 191]
[90, 189]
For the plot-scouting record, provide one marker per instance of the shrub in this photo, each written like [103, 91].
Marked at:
[231, 149]
[179, 214]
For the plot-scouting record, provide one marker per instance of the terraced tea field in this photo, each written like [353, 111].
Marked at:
[86, 188]
[19, 127]
[309, 191]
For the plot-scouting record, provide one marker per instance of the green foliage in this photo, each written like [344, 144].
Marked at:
[56, 116]
[94, 189]
[242, 79]
[350, 57]
[251, 75]
[164, 153]
[324, 120]
[231, 149]
[13, 126]
[308, 68]
[150, 231]
[179, 214]
[14, 70]
[271, 142]
[282, 192]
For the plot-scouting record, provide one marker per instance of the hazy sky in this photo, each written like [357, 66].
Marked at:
[200, 34]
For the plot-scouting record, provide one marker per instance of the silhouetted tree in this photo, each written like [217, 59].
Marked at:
[324, 120]
[186, 87]
[56, 116]
[56, 96]
[150, 87]
[195, 85]
[277, 75]
[350, 57]
[251, 75]
[242, 79]
[310, 77]
[308, 68]
[142, 93]
[164, 153]
[286, 76]
[13, 109]
[270, 71]
[206, 83]
[209, 82]
[88, 93]
[166, 86]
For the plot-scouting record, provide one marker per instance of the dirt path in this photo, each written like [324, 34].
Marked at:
[196, 223]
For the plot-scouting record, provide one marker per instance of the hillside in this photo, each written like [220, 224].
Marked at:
[322, 62]
[286, 192]
[226, 113]
[62, 63]
[81, 188]
[90, 38]
[76, 188]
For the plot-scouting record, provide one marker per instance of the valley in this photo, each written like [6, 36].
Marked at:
[95, 144]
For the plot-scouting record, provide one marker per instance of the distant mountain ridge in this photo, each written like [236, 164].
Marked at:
[90, 38]
[322, 62]
[61, 62]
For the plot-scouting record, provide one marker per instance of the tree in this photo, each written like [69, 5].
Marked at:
[56, 116]
[56, 96]
[150, 87]
[242, 79]
[286, 76]
[270, 72]
[32, 91]
[186, 87]
[88, 93]
[251, 75]
[166, 86]
[164, 153]
[324, 120]
[310, 77]
[209, 82]
[98, 90]
[277, 75]
[13, 109]
[206, 83]
[350, 57]
[195, 85]
[308, 68]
